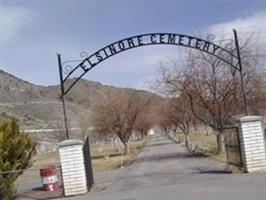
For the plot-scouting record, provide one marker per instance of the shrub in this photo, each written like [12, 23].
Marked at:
[16, 150]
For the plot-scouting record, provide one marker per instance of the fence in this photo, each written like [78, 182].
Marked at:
[88, 164]
[29, 183]
[232, 146]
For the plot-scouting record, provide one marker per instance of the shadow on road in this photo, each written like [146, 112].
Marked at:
[212, 171]
[158, 144]
[177, 175]
[169, 156]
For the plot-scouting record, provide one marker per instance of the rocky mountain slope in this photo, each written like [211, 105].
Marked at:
[39, 107]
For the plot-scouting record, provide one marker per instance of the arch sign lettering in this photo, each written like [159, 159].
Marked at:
[88, 62]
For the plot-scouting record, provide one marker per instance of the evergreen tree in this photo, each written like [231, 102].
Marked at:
[16, 150]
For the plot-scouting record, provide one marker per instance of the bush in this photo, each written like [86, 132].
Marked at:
[16, 150]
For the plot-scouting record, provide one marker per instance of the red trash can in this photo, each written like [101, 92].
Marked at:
[49, 178]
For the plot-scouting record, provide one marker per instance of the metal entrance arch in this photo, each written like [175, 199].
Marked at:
[88, 62]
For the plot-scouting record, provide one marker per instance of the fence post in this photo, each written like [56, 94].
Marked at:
[73, 169]
[88, 164]
[252, 143]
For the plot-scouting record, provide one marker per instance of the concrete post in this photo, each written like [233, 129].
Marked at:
[73, 169]
[252, 143]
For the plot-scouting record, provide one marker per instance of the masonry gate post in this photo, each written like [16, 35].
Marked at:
[73, 169]
[252, 143]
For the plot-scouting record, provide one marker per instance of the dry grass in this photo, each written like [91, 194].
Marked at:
[107, 158]
[39, 161]
[209, 144]
[111, 159]
[46, 159]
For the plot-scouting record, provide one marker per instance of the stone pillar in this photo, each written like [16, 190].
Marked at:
[73, 169]
[252, 143]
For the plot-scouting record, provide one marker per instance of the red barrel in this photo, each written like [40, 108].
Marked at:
[49, 178]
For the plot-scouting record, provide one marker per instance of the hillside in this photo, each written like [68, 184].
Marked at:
[39, 107]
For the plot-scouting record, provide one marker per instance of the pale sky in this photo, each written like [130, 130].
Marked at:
[33, 31]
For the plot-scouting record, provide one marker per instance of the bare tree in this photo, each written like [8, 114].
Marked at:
[184, 116]
[119, 113]
[211, 86]
[175, 115]
[144, 122]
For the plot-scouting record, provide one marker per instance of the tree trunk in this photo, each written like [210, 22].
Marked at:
[220, 142]
[127, 148]
[143, 135]
[186, 140]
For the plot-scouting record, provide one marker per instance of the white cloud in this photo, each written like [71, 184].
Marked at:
[255, 23]
[13, 20]
[148, 59]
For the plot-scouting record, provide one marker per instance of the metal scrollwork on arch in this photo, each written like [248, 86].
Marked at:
[70, 65]
[87, 62]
